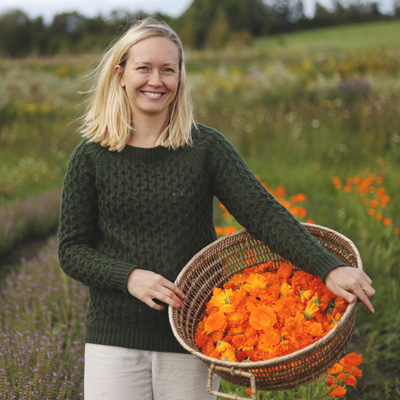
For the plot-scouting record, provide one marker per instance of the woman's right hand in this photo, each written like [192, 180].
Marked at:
[147, 286]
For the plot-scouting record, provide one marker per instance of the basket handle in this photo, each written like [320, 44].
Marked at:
[233, 371]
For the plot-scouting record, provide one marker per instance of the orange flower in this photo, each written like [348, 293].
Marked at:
[374, 204]
[396, 231]
[215, 322]
[338, 391]
[386, 221]
[269, 338]
[235, 282]
[336, 369]
[285, 289]
[267, 311]
[221, 299]
[356, 372]
[226, 351]
[254, 282]
[347, 379]
[336, 182]
[230, 229]
[280, 191]
[305, 295]
[219, 231]
[310, 310]
[239, 341]
[351, 360]
[298, 198]
[262, 317]
[285, 271]
[379, 216]
[347, 189]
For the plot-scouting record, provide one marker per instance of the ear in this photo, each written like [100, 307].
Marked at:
[119, 71]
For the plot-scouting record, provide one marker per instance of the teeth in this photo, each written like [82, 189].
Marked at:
[150, 94]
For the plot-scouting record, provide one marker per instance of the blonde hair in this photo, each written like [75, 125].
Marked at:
[108, 119]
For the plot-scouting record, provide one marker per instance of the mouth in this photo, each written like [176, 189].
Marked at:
[153, 95]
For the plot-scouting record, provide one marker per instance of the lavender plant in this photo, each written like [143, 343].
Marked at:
[27, 219]
[41, 346]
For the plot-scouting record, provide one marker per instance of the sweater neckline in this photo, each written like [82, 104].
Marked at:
[146, 153]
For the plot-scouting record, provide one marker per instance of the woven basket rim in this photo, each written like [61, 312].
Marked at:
[291, 357]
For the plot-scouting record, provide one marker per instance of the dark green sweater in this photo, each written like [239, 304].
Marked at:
[153, 209]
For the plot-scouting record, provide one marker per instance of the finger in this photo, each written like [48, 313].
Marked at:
[168, 298]
[369, 291]
[348, 296]
[171, 286]
[364, 298]
[158, 304]
[365, 277]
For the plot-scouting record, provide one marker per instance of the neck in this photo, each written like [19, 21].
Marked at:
[147, 131]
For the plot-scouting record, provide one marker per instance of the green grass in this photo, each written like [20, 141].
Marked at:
[380, 35]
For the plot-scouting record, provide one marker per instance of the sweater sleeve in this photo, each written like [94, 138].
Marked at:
[78, 229]
[257, 210]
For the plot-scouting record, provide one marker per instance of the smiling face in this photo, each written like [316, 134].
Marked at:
[151, 77]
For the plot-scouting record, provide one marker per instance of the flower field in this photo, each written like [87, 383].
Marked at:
[317, 122]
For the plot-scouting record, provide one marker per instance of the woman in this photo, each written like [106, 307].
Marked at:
[137, 205]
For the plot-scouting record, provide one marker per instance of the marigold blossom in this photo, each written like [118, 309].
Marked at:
[338, 391]
[265, 312]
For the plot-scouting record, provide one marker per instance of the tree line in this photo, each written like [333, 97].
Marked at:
[205, 24]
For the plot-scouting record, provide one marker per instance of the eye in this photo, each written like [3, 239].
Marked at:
[169, 70]
[143, 68]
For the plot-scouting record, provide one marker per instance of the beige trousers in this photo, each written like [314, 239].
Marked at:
[116, 373]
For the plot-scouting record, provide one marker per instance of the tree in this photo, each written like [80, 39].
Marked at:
[15, 34]
[322, 16]
[396, 7]
[219, 32]
[241, 17]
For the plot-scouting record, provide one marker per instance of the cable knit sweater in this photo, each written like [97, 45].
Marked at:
[152, 208]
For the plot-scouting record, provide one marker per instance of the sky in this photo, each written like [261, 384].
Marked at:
[90, 8]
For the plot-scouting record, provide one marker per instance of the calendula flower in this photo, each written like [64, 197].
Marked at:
[215, 322]
[219, 231]
[356, 372]
[262, 317]
[221, 299]
[256, 281]
[386, 221]
[347, 379]
[336, 369]
[351, 360]
[305, 295]
[338, 391]
[285, 289]
[310, 310]
[267, 311]
[285, 271]
[230, 229]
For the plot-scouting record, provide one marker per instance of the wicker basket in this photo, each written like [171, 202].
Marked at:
[215, 265]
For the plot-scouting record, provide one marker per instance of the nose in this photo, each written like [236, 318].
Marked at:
[155, 79]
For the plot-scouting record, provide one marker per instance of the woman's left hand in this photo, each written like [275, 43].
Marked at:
[350, 283]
